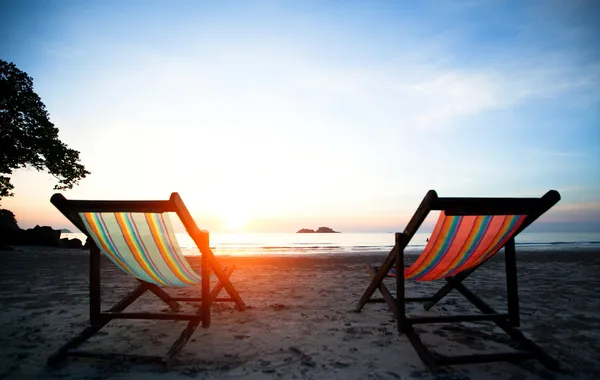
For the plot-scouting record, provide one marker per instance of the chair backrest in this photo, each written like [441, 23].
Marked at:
[469, 231]
[462, 242]
[138, 237]
[142, 244]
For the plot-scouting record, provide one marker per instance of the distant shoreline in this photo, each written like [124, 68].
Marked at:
[350, 243]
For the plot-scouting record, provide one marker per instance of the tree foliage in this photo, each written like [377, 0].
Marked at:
[28, 137]
[8, 222]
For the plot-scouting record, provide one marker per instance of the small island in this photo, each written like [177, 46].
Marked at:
[325, 230]
[65, 230]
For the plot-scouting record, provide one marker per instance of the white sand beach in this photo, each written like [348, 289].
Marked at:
[299, 323]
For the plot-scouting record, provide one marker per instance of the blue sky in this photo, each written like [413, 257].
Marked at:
[278, 115]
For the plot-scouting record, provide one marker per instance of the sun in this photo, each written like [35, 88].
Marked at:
[235, 222]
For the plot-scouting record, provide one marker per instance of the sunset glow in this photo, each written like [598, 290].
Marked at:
[235, 222]
[273, 116]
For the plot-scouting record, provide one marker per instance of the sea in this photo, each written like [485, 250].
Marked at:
[248, 244]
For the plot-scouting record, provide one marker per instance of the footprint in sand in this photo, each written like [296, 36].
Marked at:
[241, 337]
[278, 307]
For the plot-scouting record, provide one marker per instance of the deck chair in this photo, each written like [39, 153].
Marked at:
[138, 238]
[469, 232]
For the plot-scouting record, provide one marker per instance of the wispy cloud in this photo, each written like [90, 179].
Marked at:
[559, 154]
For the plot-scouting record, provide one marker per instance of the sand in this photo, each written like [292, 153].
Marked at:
[299, 323]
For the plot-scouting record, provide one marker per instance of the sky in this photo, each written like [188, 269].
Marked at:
[270, 116]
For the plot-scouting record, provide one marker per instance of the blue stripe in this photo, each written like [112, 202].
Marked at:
[455, 220]
[134, 233]
[482, 231]
[192, 276]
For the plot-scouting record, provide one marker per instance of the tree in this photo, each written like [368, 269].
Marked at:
[9, 229]
[8, 222]
[28, 137]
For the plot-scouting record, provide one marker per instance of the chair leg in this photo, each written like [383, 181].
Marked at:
[424, 354]
[193, 324]
[99, 323]
[447, 288]
[400, 294]
[528, 349]
[512, 290]
[514, 333]
[181, 341]
[174, 305]
[377, 279]
[387, 295]
[215, 266]
[219, 286]
[129, 298]
[437, 297]
[77, 341]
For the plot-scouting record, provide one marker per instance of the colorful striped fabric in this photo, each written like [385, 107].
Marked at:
[142, 244]
[462, 242]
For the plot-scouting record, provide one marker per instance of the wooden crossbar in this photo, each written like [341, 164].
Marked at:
[199, 299]
[485, 358]
[113, 355]
[456, 318]
[157, 316]
[495, 206]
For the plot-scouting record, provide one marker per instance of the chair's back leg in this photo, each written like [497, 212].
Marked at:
[181, 341]
[206, 301]
[400, 294]
[95, 297]
[512, 290]
[377, 279]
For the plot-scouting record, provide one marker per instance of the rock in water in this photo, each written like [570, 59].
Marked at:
[71, 243]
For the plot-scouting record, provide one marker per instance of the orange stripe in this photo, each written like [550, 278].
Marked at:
[466, 247]
[104, 245]
[134, 250]
[408, 272]
[165, 253]
[491, 248]
[453, 254]
[500, 240]
[487, 242]
[416, 269]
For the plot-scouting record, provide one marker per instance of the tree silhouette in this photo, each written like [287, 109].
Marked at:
[8, 222]
[28, 137]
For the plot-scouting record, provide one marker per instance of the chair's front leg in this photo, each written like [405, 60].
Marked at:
[98, 323]
[219, 286]
[400, 294]
[205, 306]
[377, 279]
[224, 279]
[512, 290]
[185, 335]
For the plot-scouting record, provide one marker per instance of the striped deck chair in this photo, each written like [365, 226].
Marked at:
[469, 232]
[138, 238]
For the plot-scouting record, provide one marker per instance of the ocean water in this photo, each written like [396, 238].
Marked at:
[244, 244]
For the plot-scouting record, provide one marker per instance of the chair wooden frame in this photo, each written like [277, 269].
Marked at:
[98, 318]
[509, 322]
